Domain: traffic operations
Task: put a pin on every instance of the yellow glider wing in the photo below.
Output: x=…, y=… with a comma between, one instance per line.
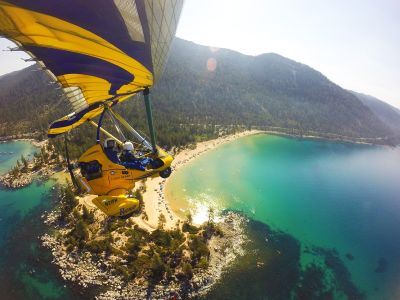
x=101, y=51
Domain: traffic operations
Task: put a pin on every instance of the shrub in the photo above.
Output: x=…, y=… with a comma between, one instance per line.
x=161, y=238
x=203, y=263
x=87, y=216
x=79, y=234
x=186, y=227
x=199, y=248
x=157, y=267
x=123, y=271
x=187, y=270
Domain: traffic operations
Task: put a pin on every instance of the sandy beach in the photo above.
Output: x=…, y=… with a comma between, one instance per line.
x=154, y=197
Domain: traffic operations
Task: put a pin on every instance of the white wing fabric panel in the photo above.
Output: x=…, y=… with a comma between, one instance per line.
x=163, y=19
x=131, y=18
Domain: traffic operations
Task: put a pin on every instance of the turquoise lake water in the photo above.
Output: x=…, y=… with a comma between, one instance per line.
x=26, y=271
x=310, y=203
x=339, y=202
x=10, y=152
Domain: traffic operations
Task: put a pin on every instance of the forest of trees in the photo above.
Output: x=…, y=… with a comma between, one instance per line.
x=190, y=102
x=29, y=101
x=387, y=113
x=155, y=255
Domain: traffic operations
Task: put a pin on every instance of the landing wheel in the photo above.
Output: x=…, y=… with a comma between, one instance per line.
x=157, y=163
x=127, y=216
x=165, y=173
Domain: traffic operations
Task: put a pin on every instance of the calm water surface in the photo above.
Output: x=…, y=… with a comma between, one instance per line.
x=26, y=271
x=328, y=196
x=310, y=203
x=10, y=152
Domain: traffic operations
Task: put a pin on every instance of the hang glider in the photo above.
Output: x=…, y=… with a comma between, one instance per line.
x=101, y=52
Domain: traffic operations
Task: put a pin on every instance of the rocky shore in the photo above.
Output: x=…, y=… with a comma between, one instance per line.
x=9, y=181
x=94, y=272
x=40, y=167
x=33, y=136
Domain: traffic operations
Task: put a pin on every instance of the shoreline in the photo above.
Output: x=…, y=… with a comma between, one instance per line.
x=90, y=272
x=322, y=138
x=33, y=141
x=36, y=168
x=188, y=155
x=156, y=186
x=120, y=289
x=154, y=198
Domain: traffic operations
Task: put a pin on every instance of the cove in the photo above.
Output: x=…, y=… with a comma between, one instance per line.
x=337, y=199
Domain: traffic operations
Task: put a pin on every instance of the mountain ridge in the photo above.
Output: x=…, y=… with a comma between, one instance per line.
x=389, y=114
x=204, y=85
x=265, y=83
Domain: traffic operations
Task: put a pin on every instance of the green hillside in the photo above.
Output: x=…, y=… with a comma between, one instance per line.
x=265, y=90
x=386, y=113
x=28, y=101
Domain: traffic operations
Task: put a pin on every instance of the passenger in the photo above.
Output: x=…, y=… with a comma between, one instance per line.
x=110, y=150
x=129, y=160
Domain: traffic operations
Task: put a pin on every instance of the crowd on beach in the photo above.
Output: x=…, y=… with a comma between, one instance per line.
x=162, y=202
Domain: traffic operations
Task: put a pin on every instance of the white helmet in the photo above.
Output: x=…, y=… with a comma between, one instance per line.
x=109, y=143
x=128, y=146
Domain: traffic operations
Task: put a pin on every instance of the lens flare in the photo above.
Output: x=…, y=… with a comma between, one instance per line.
x=214, y=49
x=211, y=64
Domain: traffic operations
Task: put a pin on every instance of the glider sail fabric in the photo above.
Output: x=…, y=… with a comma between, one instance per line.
x=101, y=51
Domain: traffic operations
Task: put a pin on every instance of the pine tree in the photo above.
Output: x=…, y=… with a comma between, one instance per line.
x=157, y=267
x=24, y=162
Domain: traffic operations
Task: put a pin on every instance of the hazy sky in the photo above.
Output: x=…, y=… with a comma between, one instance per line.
x=354, y=43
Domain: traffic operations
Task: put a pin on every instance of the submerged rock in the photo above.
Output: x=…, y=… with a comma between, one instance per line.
x=382, y=265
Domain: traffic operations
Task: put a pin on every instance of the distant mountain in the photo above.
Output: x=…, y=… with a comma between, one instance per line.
x=202, y=85
x=386, y=113
x=260, y=90
x=28, y=101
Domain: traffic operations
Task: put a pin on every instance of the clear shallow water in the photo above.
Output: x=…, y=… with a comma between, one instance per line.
x=10, y=152
x=25, y=267
x=329, y=195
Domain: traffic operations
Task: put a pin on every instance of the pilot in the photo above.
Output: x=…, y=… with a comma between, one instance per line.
x=111, y=151
x=129, y=160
